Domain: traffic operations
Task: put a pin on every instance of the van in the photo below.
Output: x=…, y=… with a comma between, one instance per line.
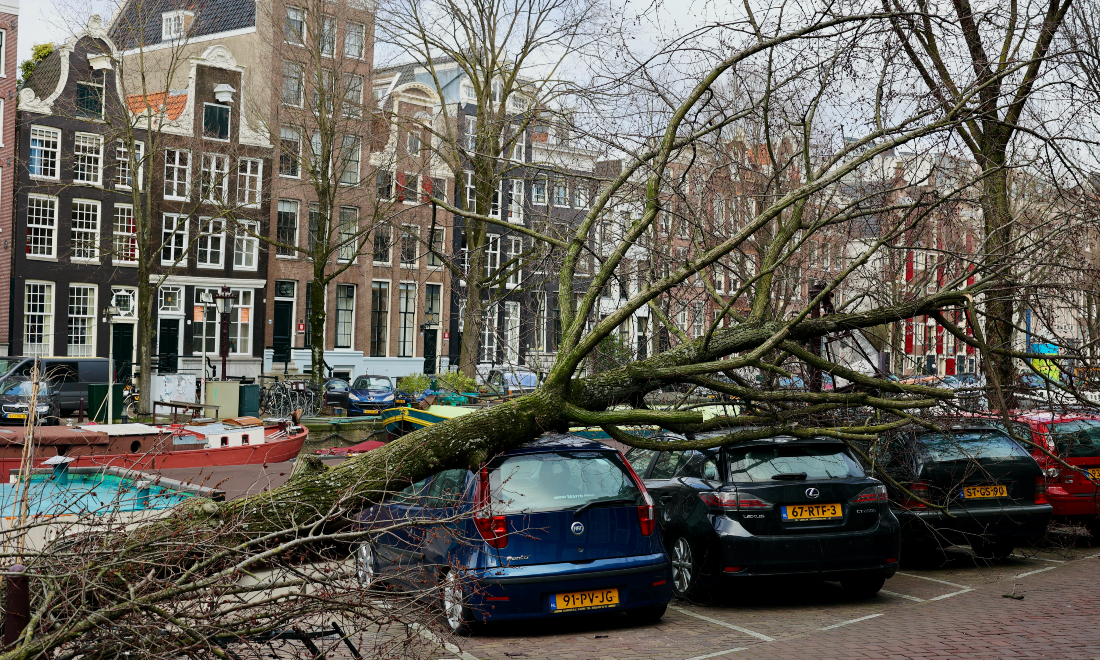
x=70, y=376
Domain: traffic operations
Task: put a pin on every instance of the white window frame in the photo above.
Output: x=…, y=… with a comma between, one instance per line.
x=514, y=251
x=469, y=197
x=179, y=248
x=229, y=122
x=353, y=95
x=120, y=146
x=492, y=254
x=210, y=162
x=87, y=234
x=406, y=319
x=297, y=225
x=210, y=230
x=350, y=153
x=515, y=204
x=46, y=133
x=348, y=240
x=52, y=227
x=410, y=234
x=471, y=133
x=244, y=244
x=435, y=259
x=288, y=66
x=92, y=159
x=511, y=333
x=349, y=29
x=178, y=21
x=580, y=196
x=519, y=147
x=120, y=238
x=176, y=168
x=327, y=42
x=487, y=346
x=555, y=186
x=88, y=314
x=251, y=194
x=47, y=315
x=297, y=135
x=3, y=61
x=301, y=19
x=351, y=322
x=539, y=188
x=129, y=294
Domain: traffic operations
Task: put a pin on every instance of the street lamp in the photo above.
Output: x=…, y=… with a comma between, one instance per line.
x=109, y=314
x=224, y=302
x=207, y=303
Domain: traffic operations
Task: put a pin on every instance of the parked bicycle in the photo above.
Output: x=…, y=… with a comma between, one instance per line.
x=282, y=398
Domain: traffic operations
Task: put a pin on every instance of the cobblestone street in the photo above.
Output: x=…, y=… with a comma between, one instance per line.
x=957, y=610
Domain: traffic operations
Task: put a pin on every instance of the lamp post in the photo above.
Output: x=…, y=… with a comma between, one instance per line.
x=224, y=302
x=207, y=302
x=109, y=314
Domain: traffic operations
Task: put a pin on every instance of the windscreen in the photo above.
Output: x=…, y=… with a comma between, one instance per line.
x=969, y=445
x=7, y=364
x=761, y=464
x=15, y=387
x=372, y=383
x=1080, y=439
x=559, y=480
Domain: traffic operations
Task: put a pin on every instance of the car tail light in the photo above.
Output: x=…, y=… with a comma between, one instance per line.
x=872, y=495
x=918, y=489
x=647, y=519
x=734, y=501
x=1041, y=490
x=734, y=569
x=494, y=529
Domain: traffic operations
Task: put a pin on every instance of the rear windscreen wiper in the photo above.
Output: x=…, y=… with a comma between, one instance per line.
x=790, y=476
x=589, y=505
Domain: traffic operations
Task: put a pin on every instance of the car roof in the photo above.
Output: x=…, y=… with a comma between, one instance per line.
x=558, y=442
x=774, y=440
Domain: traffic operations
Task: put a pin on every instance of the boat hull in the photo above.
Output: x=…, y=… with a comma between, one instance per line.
x=278, y=451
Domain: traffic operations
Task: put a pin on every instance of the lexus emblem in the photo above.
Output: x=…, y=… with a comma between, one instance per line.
x=577, y=528
x=813, y=493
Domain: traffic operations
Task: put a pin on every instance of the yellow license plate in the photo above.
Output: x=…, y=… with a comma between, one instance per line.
x=980, y=492
x=585, y=600
x=17, y=415
x=812, y=512
x=1094, y=473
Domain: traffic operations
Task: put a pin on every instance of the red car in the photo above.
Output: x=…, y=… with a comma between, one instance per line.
x=1075, y=438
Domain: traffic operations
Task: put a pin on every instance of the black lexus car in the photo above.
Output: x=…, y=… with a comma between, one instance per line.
x=992, y=488
x=774, y=507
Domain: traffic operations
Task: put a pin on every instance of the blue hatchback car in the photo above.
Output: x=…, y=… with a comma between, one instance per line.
x=559, y=527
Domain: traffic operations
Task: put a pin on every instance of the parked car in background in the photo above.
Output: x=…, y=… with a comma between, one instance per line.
x=558, y=527
x=16, y=400
x=774, y=507
x=510, y=383
x=69, y=376
x=1075, y=439
x=370, y=394
x=993, y=489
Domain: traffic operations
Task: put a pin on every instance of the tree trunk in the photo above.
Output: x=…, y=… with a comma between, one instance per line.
x=147, y=337
x=1000, y=298
x=472, y=315
x=317, y=326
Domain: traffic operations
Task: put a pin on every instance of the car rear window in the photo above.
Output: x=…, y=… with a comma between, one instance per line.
x=1080, y=439
x=966, y=445
x=760, y=464
x=368, y=383
x=559, y=480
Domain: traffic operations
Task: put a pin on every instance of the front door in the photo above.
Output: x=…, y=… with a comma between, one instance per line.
x=168, y=343
x=429, y=351
x=123, y=349
x=282, y=327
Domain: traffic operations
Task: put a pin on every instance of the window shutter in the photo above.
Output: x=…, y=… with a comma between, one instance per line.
x=909, y=336
x=400, y=186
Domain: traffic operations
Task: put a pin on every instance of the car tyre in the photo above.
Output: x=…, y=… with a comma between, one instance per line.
x=685, y=568
x=647, y=615
x=366, y=568
x=457, y=616
x=994, y=548
x=1093, y=527
x=864, y=586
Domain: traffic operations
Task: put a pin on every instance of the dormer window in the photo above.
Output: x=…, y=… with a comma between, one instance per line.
x=215, y=121
x=174, y=24
x=89, y=100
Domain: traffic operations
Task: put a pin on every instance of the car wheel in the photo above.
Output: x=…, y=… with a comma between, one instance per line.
x=864, y=586
x=456, y=615
x=1093, y=527
x=684, y=567
x=994, y=548
x=645, y=615
x=365, y=566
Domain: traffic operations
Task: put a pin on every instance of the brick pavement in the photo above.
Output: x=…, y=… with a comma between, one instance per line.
x=954, y=610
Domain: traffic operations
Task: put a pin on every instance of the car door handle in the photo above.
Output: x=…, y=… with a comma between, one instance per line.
x=666, y=498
